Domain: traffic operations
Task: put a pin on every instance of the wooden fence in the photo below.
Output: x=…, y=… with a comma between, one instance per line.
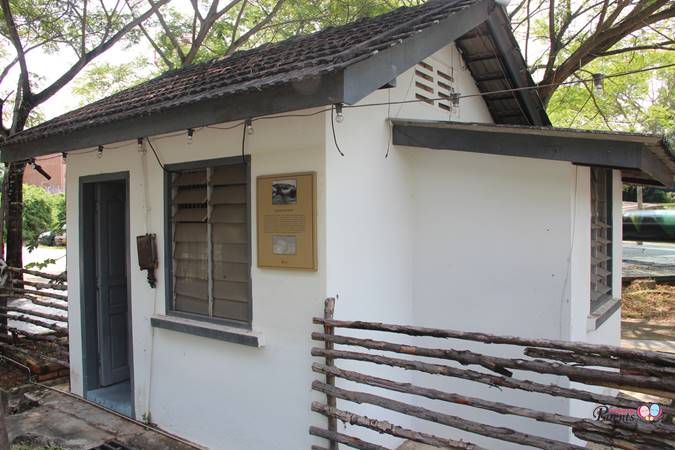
x=37, y=300
x=595, y=365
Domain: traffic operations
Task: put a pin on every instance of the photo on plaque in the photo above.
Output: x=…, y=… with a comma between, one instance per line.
x=284, y=192
x=283, y=245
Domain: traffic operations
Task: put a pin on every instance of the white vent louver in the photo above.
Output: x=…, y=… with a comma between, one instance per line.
x=434, y=80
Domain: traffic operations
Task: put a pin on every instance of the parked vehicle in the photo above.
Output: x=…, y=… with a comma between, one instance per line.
x=46, y=238
x=649, y=225
x=60, y=238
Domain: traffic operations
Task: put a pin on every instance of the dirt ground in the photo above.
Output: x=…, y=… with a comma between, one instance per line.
x=11, y=375
x=647, y=300
x=648, y=311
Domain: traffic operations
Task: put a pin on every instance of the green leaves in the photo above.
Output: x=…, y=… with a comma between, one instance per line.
x=104, y=79
x=636, y=102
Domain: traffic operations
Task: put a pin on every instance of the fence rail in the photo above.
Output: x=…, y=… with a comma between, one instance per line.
x=594, y=365
x=37, y=304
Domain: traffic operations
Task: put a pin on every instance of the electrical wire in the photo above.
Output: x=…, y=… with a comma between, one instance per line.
x=387, y=103
x=243, y=141
x=282, y=116
x=503, y=91
x=215, y=127
x=152, y=147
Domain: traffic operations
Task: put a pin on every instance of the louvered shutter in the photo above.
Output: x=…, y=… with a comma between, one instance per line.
x=190, y=242
x=601, y=235
x=211, y=244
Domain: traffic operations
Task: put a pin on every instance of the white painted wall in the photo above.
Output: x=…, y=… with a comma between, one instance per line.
x=436, y=238
x=221, y=395
x=491, y=255
x=371, y=206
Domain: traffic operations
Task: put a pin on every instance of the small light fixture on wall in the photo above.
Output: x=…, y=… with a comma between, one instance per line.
x=99, y=152
x=339, y=115
x=190, y=133
x=248, y=123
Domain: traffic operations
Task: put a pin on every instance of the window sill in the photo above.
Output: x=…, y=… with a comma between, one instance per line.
x=209, y=330
x=603, y=312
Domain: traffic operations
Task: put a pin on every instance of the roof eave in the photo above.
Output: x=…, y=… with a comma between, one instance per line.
x=309, y=93
x=638, y=163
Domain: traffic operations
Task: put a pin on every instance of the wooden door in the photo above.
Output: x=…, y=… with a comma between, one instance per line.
x=111, y=283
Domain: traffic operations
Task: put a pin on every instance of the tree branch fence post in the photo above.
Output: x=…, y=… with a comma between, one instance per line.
x=331, y=401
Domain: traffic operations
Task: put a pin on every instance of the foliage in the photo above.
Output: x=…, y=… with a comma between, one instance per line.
x=58, y=207
x=649, y=195
x=562, y=38
x=39, y=265
x=42, y=211
x=104, y=79
x=37, y=214
x=80, y=30
x=641, y=102
x=219, y=28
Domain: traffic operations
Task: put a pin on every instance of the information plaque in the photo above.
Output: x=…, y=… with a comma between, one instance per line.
x=286, y=221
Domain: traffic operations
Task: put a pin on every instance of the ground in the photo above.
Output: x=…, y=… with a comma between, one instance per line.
x=648, y=300
x=61, y=422
x=11, y=375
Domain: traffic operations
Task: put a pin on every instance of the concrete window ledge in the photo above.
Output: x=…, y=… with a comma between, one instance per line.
x=209, y=330
x=602, y=313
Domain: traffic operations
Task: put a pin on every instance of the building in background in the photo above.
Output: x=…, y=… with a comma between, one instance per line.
x=54, y=166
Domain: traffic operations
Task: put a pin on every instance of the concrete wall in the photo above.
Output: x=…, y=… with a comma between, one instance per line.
x=491, y=255
x=221, y=395
x=371, y=204
x=459, y=240
x=436, y=238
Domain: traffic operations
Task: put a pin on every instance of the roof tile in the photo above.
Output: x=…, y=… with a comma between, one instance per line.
x=294, y=59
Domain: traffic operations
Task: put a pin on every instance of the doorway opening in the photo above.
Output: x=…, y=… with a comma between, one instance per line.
x=105, y=299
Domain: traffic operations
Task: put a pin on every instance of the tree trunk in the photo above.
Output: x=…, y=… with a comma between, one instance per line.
x=4, y=439
x=3, y=212
x=14, y=215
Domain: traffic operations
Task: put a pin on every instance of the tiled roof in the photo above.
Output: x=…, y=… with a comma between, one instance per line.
x=288, y=61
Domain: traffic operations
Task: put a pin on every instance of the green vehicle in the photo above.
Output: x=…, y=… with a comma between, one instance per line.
x=650, y=225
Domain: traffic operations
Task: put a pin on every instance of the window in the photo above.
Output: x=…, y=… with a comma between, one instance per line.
x=601, y=236
x=210, y=241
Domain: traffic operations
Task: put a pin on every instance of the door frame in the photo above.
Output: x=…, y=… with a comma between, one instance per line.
x=88, y=326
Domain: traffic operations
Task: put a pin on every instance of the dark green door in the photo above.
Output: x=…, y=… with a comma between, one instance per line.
x=111, y=282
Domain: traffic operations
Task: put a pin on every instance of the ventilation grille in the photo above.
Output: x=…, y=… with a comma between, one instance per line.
x=434, y=80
